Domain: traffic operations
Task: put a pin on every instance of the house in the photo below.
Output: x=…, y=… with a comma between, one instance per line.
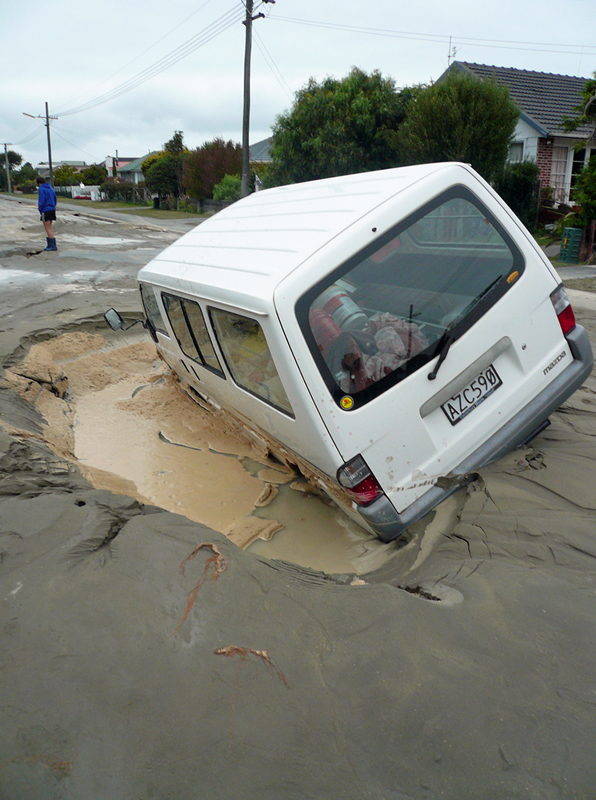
x=544, y=100
x=43, y=168
x=259, y=152
x=117, y=162
x=132, y=170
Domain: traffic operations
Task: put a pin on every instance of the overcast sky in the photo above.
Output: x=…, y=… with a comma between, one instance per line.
x=71, y=54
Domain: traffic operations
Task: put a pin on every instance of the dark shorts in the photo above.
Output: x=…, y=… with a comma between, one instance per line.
x=47, y=216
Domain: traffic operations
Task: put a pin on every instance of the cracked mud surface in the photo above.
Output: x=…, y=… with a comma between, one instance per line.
x=145, y=655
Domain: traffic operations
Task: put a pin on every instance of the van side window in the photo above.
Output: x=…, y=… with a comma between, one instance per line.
x=402, y=300
x=152, y=311
x=247, y=356
x=188, y=324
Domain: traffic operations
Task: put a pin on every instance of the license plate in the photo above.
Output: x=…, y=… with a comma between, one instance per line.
x=476, y=392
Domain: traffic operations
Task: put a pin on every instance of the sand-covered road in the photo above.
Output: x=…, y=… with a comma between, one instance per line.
x=144, y=655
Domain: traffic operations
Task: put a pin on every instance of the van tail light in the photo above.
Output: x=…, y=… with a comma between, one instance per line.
x=359, y=482
x=563, y=309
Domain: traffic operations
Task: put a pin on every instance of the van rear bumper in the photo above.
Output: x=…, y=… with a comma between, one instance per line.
x=388, y=524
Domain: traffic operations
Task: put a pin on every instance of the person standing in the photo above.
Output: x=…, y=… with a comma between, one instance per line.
x=46, y=204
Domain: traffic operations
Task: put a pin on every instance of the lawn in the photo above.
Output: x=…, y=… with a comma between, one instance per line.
x=583, y=284
x=127, y=208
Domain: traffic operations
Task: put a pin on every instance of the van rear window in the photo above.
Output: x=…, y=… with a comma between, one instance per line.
x=398, y=303
x=243, y=344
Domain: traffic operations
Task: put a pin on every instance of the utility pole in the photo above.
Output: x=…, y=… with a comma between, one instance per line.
x=6, y=164
x=47, y=118
x=247, y=22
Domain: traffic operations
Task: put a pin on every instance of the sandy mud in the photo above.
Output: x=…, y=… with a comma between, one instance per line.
x=144, y=654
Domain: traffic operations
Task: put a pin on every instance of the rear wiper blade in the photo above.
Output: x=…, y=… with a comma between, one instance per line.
x=448, y=339
x=477, y=305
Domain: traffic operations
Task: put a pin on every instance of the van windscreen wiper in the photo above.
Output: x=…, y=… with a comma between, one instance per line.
x=448, y=338
x=478, y=306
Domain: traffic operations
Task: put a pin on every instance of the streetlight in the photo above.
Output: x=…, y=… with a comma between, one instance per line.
x=47, y=118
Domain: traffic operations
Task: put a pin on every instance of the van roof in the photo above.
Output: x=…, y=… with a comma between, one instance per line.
x=241, y=254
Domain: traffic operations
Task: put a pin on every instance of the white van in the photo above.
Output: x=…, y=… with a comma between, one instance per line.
x=389, y=333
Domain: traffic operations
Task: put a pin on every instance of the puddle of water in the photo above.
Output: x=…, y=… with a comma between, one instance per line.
x=185, y=460
x=20, y=276
x=97, y=241
x=131, y=432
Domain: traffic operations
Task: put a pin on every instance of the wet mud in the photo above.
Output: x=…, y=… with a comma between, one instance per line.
x=144, y=654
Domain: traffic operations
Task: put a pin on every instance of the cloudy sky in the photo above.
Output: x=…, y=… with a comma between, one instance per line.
x=123, y=76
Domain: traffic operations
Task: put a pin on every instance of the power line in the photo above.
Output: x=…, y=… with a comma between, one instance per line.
x=219, y=26
x=144, y=52
x=505, y=44
x=273, y=66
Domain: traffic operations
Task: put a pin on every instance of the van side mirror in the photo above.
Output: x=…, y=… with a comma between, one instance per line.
x=114, y=320
x=116, y=323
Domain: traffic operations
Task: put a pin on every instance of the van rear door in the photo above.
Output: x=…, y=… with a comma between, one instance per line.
x=430, y=339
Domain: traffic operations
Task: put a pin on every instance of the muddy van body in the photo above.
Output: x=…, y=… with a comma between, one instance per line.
x=389, y=332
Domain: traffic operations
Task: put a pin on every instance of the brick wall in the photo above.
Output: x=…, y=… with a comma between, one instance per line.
x=544, y=160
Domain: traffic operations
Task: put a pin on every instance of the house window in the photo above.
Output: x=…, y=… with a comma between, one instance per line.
x=516, y=152
x=580, y=160
x=248, y=358
x=188, y=324
x=558, y=172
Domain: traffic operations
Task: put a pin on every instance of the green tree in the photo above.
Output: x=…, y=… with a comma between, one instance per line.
x=161, y=177
x=176, y=148
x=585, y=190
x=67, y=175
x=94, y=175
x=338, y=127
x=518, y=186
x=150, y=161
x=206, y=166
x=25, y=177
x=586, y=110
x=460, y=118
x=14, y=159
x=228, y=189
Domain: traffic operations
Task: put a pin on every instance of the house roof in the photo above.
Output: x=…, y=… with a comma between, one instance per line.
x=135, y=166
x=260, y=151
x=544, y=99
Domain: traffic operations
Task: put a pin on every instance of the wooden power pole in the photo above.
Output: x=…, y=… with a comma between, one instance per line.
x=247, y=22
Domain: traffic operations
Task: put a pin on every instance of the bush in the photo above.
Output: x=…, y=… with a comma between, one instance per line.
x=117, y=189
x=228, y=189
x=518, y=186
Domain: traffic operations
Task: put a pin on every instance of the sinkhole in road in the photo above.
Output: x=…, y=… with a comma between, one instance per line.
x=113, y=406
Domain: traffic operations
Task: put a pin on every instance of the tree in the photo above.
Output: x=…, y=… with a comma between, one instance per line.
x=94, y=175
x=460, y=118
x=518, y=186
x=585, y=190
x=586, y=110
x=338, y=127
x=228, y=190
x=161, y=177
x=206, y=166
x=25, y=175
x=67, y=175
x=175, y=147
x=14, y=159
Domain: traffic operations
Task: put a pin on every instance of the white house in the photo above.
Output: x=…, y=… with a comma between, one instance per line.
x=544, y=101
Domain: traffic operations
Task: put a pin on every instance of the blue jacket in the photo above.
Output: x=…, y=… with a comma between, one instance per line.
x=46, y=198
